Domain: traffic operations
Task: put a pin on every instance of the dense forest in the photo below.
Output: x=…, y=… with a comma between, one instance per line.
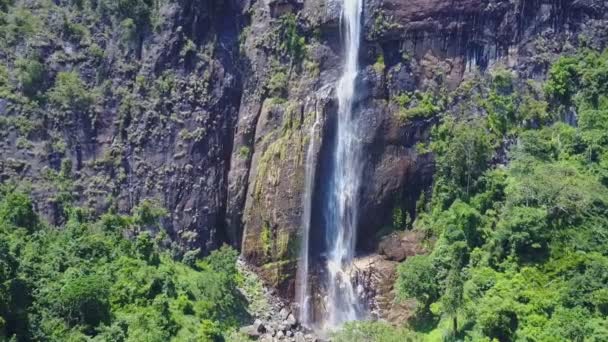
x=107, y=279
x=151, y=148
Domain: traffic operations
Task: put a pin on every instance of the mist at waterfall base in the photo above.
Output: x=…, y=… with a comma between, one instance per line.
x=340, y=210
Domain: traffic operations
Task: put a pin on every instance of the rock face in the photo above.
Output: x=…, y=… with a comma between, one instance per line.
x=209, y=114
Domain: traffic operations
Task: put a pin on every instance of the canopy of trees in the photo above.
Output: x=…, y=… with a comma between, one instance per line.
x=87, y=282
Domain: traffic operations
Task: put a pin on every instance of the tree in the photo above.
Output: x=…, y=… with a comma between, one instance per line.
x=562, y=79
x=17, y=209
x=417, y=279
x=30, y=73
x=452, y=299
x=70, y=93
x=84, y=300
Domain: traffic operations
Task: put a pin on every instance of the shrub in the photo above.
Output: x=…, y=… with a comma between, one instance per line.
x=562, y=79
x=70, y=93
x=277, y=85
x=292, y=44
x=379, y=64
x=244, y=152
x=417, y=279
x=17, y=209
x=373, y=331
x=138, y=11
x=84, y=300
x=30, y=74
x=427, y=105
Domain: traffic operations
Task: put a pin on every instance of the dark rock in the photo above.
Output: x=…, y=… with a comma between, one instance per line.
x=400, y=245
x=259, y=326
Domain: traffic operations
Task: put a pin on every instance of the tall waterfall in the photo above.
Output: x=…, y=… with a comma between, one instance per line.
x=302, y=287
x=342, y=210
x=342, y=303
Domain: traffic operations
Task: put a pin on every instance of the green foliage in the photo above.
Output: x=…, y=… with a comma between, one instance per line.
x=532, y=110
x=379, y=65
x=277, y=85
x=86, y=281
x=188, y=48
x=500, y=103
x=518, y=250
x=70, y=93
x=148, y=212
x=19, y=24
x=426, y=105
x=562, y=79
x=17, y=209
x=416, y=279
x=292, y=44
x=373, y=331
x=244, y=152
x=403, y=99
x=138, y=11
x=83, y=300
x=463, y=151
x=30, y=74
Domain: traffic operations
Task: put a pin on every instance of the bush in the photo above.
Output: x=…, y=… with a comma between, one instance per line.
x=562, y=79
x=417, y=279
x=139, y=11
x=277, y=85
x=244, y=152
x=292, y=44
x=84, y=300
x=70, y=93
x=17, y=209
x=30, y=74
x=426, y=106
x=373, y=331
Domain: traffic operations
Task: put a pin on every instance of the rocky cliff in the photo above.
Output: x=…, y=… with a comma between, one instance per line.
x=204, y=107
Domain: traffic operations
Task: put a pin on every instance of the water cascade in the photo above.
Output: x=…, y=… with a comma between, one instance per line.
x=302, y=287
x=342, y=209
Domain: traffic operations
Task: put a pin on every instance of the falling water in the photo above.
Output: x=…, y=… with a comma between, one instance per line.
x=302, y=288
x=342, y=302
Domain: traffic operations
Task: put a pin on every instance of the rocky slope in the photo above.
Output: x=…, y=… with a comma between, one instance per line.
x=205, y=107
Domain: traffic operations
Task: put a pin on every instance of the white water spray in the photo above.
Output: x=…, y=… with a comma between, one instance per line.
x=302, y=288
x=342, y=302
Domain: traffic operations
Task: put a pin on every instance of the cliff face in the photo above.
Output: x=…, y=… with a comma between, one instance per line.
x=206, y=108
x=429, y=47
x=165, y=89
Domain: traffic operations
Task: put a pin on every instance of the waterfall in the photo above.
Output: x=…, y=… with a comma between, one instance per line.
x=342, y=209
x=302, y=288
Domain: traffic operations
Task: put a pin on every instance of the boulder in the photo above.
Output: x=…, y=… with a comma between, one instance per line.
x=259, y=326
x=284, y=313
x=299, y=337
x=400, y=245
x=291, y=321
x=251, y=331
